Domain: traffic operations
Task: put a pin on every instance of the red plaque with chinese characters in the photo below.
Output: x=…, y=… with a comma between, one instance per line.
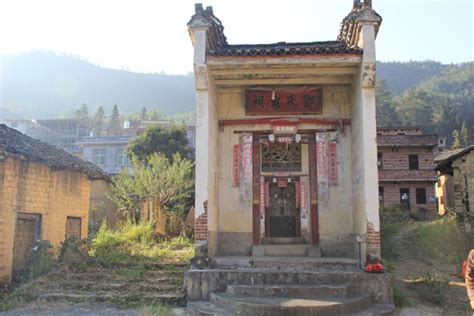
x=304, y=100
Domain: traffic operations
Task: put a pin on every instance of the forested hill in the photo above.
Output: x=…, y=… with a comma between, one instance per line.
x=441, y=103
x=401, y=76
x=42, y=84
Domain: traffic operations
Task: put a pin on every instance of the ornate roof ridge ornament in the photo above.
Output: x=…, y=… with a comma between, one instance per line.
x=351, y=24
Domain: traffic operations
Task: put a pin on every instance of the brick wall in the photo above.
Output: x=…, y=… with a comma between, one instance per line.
x=372, y=239
x=200, y=225
x=33, y=188
x=397, y=158
x=392, y=194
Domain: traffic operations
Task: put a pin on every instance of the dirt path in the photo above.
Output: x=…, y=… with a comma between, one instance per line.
x=422, y=281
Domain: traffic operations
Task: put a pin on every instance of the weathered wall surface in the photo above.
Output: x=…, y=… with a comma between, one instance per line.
x=335, y=210
x=445, y=193
x=33, y=188
x=463, y=183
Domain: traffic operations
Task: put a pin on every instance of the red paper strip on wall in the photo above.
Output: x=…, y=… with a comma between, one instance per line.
x=321, y=161
x=333, y=164
x=236, y=166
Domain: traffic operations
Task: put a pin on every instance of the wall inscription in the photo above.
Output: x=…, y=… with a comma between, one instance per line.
x=304, y=100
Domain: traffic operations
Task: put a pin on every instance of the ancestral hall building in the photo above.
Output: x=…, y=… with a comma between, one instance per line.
x=286, y=173
x=286, y=141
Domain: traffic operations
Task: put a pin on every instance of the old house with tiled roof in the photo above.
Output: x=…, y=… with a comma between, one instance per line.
x=455, y=186
x=44, y=195
x=286, y=167
x=406, y=167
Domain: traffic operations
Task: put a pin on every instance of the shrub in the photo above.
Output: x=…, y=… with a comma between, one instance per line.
x=40, y=262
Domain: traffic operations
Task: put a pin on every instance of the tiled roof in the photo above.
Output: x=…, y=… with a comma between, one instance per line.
x=407, y=140
x=283, y=48
x=12, y=142
x=450, y=155
x=218, y=45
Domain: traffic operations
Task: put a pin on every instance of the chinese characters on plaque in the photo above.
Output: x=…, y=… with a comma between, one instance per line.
x=304, y=100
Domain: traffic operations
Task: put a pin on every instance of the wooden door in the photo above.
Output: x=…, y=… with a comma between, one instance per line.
x=282, y=210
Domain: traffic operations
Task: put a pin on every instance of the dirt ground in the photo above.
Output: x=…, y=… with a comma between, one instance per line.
x=426, y=286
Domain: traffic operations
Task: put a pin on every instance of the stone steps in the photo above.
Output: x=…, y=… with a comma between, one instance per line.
x=286, y=250
x=299, y=264
x=263, y=306
x=278, y=290
x=282, y=240
x=262, y=292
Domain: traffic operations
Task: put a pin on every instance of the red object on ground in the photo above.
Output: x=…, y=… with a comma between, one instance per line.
x=463, y=270
x=368, y=268
x=377, y=267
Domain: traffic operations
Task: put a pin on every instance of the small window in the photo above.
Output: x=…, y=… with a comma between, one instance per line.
x=122, y=159
x=420, y=196
x=380, y=160
x=413, y=162
x=98, y=156
x=381, y=194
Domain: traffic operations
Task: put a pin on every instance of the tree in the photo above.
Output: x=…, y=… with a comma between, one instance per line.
x=157, y=139
x=82, y=115
x=465, y=134
x=456, y=140
x=144, y=114
x=114, y=121
x=99, y=121
x=169, y=181
x=385, y=110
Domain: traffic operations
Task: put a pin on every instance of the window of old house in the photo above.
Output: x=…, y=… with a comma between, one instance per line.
x=420, y=196
x=98, y=156
x=405, y=197
x=413, y=162
x=281, y=157
x=381, y=194
x=122, y=159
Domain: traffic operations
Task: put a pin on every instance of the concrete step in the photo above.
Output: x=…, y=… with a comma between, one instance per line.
x=205, y=308
x=263, y=306
x=200, y=283
x=294, y=250
x=287, y=264
x=376, y=310
x=306, y=264
x=279, y=290
x=282, y=240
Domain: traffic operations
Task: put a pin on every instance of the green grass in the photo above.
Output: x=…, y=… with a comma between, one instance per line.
x=442, y=240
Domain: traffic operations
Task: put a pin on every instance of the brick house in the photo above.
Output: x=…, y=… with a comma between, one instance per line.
x=406, y=168
x=455, y=187
x=44, y=194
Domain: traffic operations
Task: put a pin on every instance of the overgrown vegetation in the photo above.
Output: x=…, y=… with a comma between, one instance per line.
x=442, y=240
x=136, y=244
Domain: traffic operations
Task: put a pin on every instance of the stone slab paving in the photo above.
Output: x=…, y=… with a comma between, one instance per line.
x=71, y=310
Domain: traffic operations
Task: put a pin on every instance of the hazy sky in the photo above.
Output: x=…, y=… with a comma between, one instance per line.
x=151, y=35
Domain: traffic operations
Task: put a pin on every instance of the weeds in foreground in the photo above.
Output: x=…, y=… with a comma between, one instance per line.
x=10, y=300
x=442, y=240
x=430, y=289
x=400, y=298
x=137, y=243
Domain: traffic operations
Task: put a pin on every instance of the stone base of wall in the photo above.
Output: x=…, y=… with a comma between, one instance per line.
x=339, y=245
